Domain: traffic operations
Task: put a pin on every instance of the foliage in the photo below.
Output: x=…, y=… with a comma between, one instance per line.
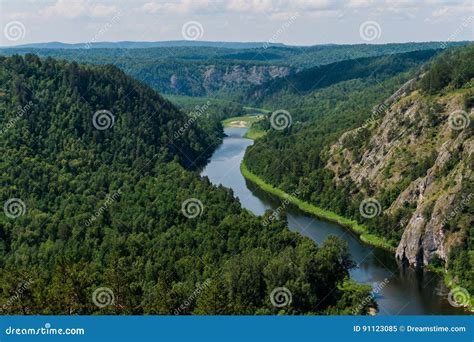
x=454, y=68
x=138, y=244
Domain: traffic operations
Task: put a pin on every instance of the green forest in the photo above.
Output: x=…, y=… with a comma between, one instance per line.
x=103, y=148
x=103, y=208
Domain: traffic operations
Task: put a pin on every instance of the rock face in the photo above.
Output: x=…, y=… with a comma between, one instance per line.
x=411, y=146
x=209, y=79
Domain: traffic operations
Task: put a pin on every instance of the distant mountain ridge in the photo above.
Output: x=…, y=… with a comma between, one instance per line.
x=311, y=79
x=143, y=45
x=228, y=70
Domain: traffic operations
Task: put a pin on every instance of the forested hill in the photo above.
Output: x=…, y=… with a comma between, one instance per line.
x=323, y=76
x=100, y=217
x=67, y=102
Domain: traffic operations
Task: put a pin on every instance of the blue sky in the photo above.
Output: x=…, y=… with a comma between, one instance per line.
x=296, y=22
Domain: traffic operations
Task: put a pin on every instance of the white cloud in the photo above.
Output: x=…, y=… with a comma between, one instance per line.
x=360, y=3
x=78, y=8
x=180, y=7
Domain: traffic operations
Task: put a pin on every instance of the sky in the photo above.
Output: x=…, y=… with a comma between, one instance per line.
x=293, y=22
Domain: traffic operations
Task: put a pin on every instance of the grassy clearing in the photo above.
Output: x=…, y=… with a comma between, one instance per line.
x=241, y=121
x=361, y=230
x=254, y=133
x=246, y=121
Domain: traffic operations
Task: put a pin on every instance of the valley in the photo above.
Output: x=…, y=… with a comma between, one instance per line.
x=340, y=175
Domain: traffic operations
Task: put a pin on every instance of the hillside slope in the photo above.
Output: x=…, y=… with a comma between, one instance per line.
x=101, y=214
x=312, y=79
x=417, y=160
x=405, y=172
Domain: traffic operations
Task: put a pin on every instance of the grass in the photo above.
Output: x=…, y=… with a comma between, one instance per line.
x=254, y=133
x=361, y=230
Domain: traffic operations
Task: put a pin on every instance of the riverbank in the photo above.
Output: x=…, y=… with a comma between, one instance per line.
x=309, y=208
x=450, y=283
x=360, y=230
x=246, y=121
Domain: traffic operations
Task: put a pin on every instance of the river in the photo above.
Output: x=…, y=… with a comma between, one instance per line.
x=403, y=290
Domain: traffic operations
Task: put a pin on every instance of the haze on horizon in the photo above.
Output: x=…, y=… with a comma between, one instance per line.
x=297, y=22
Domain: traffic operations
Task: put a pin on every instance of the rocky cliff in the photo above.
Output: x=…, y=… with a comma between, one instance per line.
x=415, y=156
x=210, y=79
